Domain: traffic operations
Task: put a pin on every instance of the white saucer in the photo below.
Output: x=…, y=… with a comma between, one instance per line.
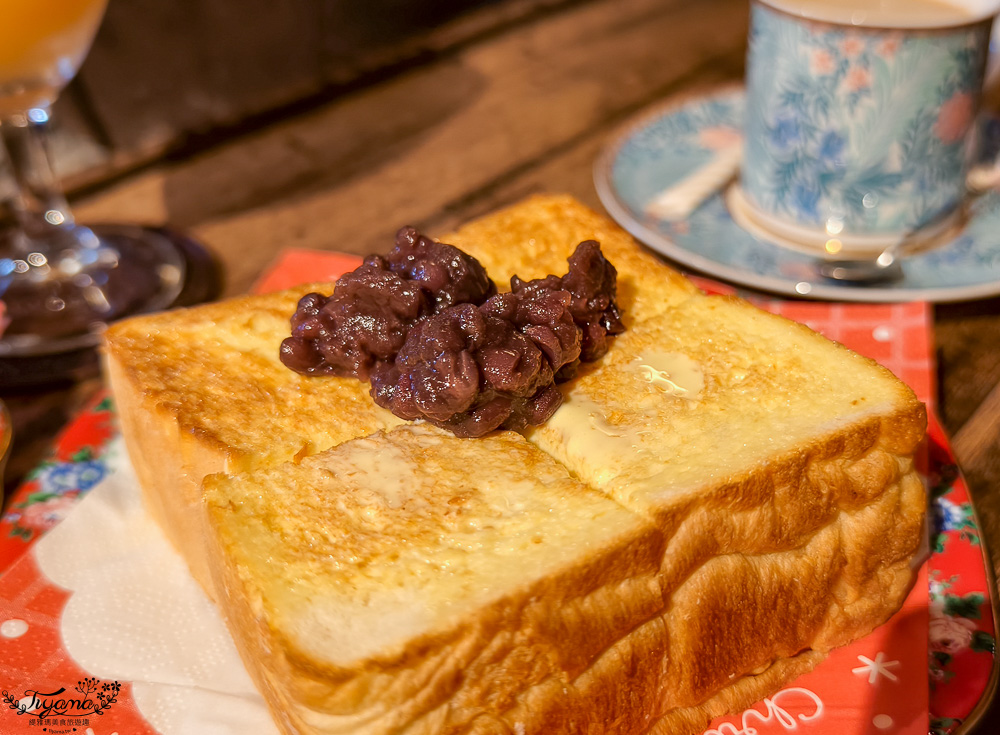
x=664, y=146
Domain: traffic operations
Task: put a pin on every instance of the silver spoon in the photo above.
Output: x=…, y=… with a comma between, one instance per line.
x=884, y=267
x=887, y=266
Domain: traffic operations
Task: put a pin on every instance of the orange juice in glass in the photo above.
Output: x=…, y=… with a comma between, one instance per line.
x=42, y=44
x=60, y=282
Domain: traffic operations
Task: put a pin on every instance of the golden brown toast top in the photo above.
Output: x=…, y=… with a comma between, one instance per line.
x=214, y=370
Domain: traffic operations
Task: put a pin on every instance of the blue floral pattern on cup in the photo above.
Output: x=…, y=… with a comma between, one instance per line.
x=866, y=126
x=665, y=145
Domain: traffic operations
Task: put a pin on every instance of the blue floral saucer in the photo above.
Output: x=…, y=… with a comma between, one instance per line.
x=665, y=146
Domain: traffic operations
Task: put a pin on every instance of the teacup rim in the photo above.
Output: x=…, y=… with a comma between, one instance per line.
x=783, y=7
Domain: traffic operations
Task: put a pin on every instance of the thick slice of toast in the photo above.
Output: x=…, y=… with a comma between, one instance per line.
x=742, y=435
x=414, y=582
x=758, y=478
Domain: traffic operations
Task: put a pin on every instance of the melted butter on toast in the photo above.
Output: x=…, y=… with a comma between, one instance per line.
x=673, y=373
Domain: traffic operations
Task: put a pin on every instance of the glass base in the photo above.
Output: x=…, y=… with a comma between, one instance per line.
x=57, y=304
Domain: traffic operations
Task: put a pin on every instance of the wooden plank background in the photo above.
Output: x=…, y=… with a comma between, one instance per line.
x=343, y=175
x=168, y=77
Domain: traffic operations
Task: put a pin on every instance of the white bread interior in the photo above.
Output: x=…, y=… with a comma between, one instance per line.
x=724, y=497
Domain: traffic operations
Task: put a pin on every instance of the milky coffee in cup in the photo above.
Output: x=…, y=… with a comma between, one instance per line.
x=883, y=13
x=860, y=116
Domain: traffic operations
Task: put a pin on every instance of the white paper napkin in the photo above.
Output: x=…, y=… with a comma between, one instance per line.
x=137, y=615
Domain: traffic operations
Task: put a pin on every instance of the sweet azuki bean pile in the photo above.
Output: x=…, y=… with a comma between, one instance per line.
x=427, y=328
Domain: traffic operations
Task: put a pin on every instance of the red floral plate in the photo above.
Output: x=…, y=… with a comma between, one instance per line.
x=958, y=614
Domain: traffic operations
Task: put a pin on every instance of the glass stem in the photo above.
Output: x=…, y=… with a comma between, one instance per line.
x=36, y=201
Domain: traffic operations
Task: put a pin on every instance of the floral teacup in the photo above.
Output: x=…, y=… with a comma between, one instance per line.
x=855, y=135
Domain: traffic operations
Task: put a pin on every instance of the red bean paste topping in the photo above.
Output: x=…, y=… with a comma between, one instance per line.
x=373, y=307
x=591, y=282
x=427, y=328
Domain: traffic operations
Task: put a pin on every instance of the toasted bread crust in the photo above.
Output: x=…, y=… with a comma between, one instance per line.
x=791, y=554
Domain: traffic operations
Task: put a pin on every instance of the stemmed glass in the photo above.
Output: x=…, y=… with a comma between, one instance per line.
x=60, y=282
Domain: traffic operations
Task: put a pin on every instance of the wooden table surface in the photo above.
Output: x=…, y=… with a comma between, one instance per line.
x=522, y=108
